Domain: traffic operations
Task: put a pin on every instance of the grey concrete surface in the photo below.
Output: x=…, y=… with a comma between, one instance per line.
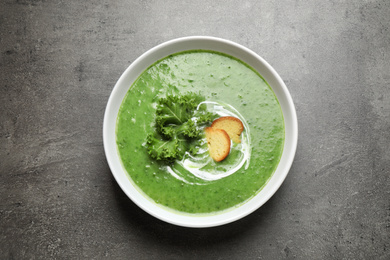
x=59, y=61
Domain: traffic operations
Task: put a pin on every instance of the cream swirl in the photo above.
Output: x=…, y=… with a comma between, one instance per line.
x=202, y=168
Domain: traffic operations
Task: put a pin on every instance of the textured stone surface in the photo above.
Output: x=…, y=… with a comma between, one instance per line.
x=59, y=61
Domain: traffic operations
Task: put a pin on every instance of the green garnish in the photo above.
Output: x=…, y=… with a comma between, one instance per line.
x=178, y=127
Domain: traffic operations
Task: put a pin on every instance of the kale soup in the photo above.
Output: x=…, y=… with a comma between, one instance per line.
x=163, y=124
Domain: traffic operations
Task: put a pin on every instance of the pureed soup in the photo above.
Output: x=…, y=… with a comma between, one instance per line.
x=197, y=184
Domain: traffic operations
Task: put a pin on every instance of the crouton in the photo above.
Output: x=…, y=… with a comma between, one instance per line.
x=218, y=142
x=232, y=126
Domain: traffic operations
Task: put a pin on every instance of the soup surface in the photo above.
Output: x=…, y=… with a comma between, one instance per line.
x=229, y=87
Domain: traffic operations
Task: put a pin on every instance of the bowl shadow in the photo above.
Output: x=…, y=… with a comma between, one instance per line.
x=160, y=232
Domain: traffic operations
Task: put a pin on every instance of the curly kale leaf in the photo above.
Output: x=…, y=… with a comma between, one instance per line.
x=162, y=150
x=176, y=109
x=169, y=150
x=204, y=117
x=189, y=130
x=178, y=126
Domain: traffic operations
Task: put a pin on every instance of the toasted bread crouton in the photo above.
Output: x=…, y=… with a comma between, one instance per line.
x=218, y=142
x=232, y=125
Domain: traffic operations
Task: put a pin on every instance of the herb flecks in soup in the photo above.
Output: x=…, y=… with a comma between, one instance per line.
x=195, y=183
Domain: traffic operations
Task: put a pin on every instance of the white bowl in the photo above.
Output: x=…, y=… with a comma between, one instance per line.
x=213, y=44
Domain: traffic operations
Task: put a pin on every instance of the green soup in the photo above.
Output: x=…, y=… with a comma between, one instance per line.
x=220, y=78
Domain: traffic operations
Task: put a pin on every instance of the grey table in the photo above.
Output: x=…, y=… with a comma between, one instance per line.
x=59, y=61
